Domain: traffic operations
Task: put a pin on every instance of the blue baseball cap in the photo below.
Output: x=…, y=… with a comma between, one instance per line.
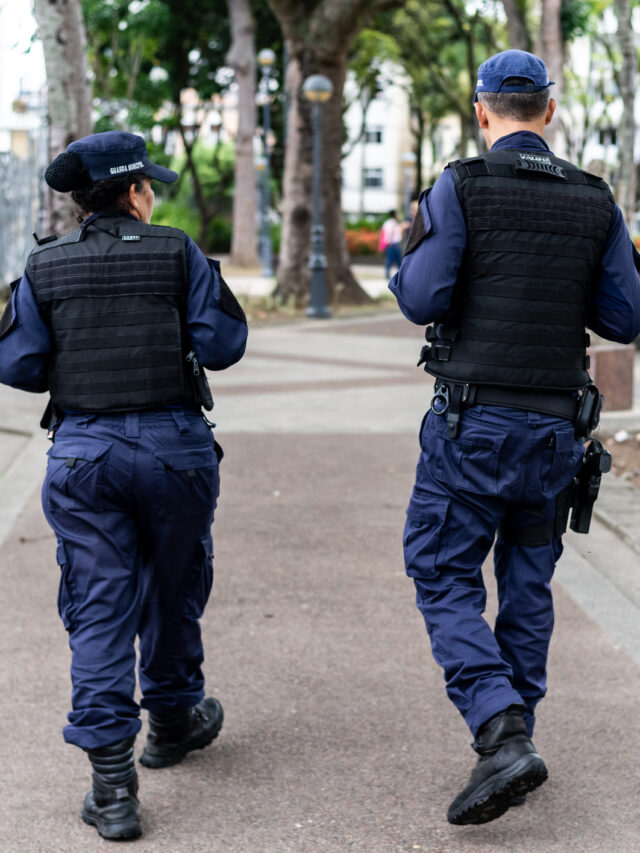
x=512, y=63
x=115, y=152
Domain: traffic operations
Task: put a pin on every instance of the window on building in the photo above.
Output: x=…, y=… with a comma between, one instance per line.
x=373, y=135
x=373, y=178
x=607, y=136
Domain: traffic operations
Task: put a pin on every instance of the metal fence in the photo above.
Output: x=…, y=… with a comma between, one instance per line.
x=20, y=206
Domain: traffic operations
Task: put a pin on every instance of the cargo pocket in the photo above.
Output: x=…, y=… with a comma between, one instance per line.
x=471, y=460
x=187, y=480
x=561, y=460
x=422, y=534
x=75, y=473
x=200, y=582
x=65, y=589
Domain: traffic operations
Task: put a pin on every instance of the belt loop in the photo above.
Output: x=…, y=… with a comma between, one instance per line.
x=181, y=422
x=132, y=425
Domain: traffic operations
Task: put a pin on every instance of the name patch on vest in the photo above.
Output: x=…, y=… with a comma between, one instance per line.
x=130, y=237
x=539, y=163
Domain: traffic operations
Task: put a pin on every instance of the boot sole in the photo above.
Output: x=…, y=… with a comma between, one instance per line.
x=115, y=832
x=167, y=759
x=492, y=799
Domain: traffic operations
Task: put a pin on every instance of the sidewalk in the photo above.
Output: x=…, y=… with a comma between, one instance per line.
x=338, y=735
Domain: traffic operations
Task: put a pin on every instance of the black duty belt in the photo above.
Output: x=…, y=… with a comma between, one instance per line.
x=450, y=398
x=562, y=404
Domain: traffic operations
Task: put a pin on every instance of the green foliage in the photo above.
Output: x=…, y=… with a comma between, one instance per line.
x=367, y=223
x=124, y=39
x=276, y=236
x=579, y=17
x=215, y=171
x=370, y=50
x=178, y=215
x=219, y=235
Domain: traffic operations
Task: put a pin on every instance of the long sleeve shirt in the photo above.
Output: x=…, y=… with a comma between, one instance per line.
x=425, y=282
x=217, y=338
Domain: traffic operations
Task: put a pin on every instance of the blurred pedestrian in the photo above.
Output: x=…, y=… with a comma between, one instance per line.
x=117, y=320
x=391, y=243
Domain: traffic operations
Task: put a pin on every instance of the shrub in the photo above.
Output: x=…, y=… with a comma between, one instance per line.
x=361, y=241
x=219, y=235
x=177, y=215
x=367, y=223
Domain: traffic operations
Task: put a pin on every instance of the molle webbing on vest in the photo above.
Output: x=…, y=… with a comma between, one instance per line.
x=122, y=275
x=535, y=230
x=115, y=309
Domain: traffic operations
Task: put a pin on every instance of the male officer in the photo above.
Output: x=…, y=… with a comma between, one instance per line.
x=511, y=255
x=114, y=320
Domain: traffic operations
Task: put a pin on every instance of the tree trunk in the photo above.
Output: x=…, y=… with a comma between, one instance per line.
x=418, y=135
x=61, y=29
x=551, y=48
x=317, y=36
x=626, y=183
x=293, y=273
x=198, y=193
x=519, y=37
x=241, y=57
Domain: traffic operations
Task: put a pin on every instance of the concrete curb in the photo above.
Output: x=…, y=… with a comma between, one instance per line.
x=618, y=508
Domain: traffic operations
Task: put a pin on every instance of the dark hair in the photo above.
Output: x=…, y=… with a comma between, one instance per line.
x=108, y=196
x=392, y=214
x=521, y=106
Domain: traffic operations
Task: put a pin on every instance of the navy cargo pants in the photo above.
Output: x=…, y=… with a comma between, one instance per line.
x=503, y=463
x=131, y=498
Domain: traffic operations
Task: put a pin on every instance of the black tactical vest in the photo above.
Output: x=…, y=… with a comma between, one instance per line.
x=536, y=226
x=113, y=294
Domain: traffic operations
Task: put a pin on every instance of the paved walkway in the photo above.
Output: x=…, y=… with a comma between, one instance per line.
x=338, y=735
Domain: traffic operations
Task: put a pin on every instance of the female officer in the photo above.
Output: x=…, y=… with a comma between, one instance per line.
x=115, y=320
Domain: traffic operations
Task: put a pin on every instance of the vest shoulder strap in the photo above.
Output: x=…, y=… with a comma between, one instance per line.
x=513, y=163
x=125, y=227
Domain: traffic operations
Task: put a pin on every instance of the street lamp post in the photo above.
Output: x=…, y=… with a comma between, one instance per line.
x=317, y=89
x=266, y=59
x=408, y=162
x=260, y=164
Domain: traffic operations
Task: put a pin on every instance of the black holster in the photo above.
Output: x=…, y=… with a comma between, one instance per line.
x=199, y=383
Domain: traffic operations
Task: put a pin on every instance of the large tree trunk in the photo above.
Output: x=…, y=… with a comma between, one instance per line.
x=241, y=57
x=317, y=34
x=551, y=47
x=626, y=183
x=61, y=29
x=293, y=273
x=519, y=37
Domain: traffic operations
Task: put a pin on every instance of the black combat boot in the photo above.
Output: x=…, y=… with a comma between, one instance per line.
x=112, y=805
x=508, y=767
x=172, y=736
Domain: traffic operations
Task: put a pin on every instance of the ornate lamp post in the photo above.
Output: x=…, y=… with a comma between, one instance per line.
x=266, y=59
x=408, y=164
x=317, y=89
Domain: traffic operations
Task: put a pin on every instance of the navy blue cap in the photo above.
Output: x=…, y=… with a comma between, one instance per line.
x=512, y=63
x=115, y=152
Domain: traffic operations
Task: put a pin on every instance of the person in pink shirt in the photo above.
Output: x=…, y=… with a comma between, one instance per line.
x=391, y=243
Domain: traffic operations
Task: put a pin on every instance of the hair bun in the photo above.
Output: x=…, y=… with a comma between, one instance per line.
x=67, y=173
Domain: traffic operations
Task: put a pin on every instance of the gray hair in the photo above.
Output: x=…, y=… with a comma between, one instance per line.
x=521, y=106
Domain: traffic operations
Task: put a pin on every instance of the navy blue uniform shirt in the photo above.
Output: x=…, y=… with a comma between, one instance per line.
x=424, y=284
x=218, y=339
